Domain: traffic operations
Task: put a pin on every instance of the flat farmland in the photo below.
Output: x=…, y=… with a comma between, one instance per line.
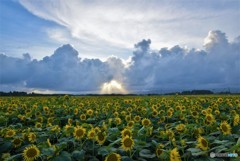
x=114, y=128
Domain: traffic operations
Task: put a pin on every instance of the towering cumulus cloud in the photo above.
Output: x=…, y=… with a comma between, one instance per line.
x=176, y=68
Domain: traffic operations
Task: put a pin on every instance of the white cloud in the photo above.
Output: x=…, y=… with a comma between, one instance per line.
x=58, y=34
x=121, y=23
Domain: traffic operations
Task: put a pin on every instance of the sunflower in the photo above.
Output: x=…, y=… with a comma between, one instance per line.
x=174, y=155
x=101, y=137
x=194, y=114
x=236, y=120
x=238, y=108
x=104, y=126
x=47, y=112
x=162, y=119
x=202, y=143
x=210, y=118
x=220, y=100
x=45, y=108
x=118, y=121
x=90, y=112
x=171, y=109
x=161, y=146
x=52, y=112
x=30, y=153
x=77, y=123
x=50, y=120
x=217, y=112
x=180, y=127
x=113, y=157
x=146, y=122
x=127, y=143
x=204, y=112
x=38, y=125
x=115, y=114
x=67, y=129
x=169, y=114
x=183, y=108
x=129, y=109
x=17, y=142
x=32, y=137
x=225, y=128
x=143, y=111
x=70, y=121
x=137, y=118
x=126, y=132
x=181, y=116
x=40, y=119
x=23, y=118
x=123, y=113
x=233, y=112
x=198, y=131
x=139, y=109
x=91, y=134
x=161, y=112
x=209, y=110
x=75, y=111
x=83, y=117
x=155, y=113
x=10, y=133
x=79, y=132
x=178, y=108
x=167, y=125
x=56, y=129
x=159, y=152
x=128, y=118
x=126, y=101
x=170, y=134
x=97, y=129
x=130, y=124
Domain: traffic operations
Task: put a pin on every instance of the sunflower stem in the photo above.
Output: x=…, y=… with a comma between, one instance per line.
x=81, y=144
x=133, y=154
x=93, y=148
x=41, y=157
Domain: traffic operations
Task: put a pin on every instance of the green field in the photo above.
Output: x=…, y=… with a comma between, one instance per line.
x=114, y=128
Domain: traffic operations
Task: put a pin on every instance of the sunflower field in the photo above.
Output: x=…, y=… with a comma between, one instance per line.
x=114, y=128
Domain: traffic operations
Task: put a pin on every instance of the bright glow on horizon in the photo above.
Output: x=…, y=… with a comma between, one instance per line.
x=113, y=87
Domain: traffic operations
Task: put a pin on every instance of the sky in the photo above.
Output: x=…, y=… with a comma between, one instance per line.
x=121, y=46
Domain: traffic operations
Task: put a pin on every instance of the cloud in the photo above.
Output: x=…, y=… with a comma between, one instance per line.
x=58, y=34
x=62, y=71
x=121, y=23
x=14, y=70
x=65, y=71
x=179, y=68
x=149, y=70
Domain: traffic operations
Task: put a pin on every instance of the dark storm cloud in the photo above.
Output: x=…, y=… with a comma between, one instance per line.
x=176, y=68
x=65, y=71
x=62, y=71
x=14, y=70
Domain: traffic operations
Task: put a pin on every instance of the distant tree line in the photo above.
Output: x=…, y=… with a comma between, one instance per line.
x=17, y=93
x=193, y=92
x=196, y=92
x=14, y=93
